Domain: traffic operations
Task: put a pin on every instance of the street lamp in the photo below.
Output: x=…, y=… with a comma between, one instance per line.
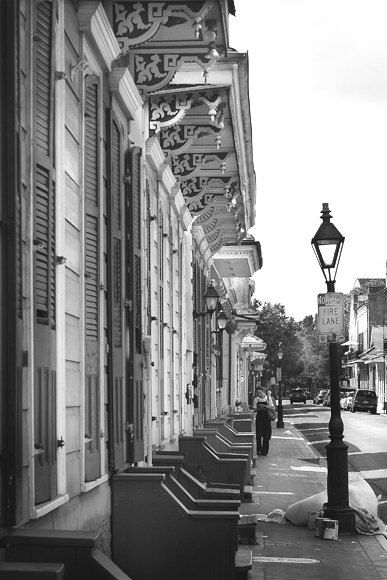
x=222, y=320
x=211, y=299
x=280, y=412
x=328, y=244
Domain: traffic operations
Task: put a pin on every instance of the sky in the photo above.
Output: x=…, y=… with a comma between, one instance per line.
x=318, y=97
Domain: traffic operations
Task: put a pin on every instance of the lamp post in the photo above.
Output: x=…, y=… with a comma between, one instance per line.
x=328, y=244
x=280, y=412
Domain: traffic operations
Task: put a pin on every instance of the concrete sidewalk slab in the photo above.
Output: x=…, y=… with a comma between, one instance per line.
x=291, y=472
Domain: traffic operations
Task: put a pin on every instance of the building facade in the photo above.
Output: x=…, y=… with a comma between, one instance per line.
x=127, y=185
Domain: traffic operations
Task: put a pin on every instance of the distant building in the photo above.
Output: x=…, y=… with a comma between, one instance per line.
x=365, y=358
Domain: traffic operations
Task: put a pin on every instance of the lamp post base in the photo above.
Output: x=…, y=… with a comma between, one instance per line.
x=337, y=506
x=344, y=515
x=280, y=416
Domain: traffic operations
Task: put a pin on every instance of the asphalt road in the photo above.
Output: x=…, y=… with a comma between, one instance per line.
x=365, y=434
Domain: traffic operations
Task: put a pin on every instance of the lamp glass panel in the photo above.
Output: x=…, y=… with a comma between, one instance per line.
x=211, y=302
x=222, y=320
x=328, y=254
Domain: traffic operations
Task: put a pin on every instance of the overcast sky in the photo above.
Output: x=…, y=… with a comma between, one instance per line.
x=318, y=94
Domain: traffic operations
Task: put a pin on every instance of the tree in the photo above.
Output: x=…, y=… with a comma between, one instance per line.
x=305, y=361
x=275, y=327
x=315, y=356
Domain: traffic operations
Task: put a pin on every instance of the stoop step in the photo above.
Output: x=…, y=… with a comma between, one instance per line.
x=31, y=570
x=246, y=529
x=247, y=494
x=243, y=563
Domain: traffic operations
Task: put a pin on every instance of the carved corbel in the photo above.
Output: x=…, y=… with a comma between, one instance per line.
x=83, y=66
x=168, y=111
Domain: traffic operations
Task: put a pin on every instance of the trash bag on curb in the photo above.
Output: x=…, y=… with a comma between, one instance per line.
x=361, y=496
x=276, y=516
x=366, y=523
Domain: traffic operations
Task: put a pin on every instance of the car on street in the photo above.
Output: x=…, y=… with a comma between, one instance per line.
x=297, y=396
x=364, y=400
x=319, y=396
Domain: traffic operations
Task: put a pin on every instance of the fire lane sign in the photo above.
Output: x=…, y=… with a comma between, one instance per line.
x=330, y=319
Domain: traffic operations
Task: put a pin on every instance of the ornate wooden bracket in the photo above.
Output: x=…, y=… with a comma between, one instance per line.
x=179, y=138
x=188, y=165
x=168, y=111
x=136, y=23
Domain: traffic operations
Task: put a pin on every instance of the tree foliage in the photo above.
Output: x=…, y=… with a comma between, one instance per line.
x=315, y=356
x=305, y=362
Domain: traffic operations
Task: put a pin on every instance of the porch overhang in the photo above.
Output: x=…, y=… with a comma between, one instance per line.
x=238, y=261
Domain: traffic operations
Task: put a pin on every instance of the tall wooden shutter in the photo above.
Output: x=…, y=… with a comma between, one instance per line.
x=135, y=382
x=115, y=294
x=44, y=256
x=149, y=261
x=92, y=281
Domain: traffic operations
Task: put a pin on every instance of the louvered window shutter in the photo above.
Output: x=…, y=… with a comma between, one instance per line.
x=180, y=303
x=195, y=334
x=92, y=280
x=115, y=294
x=149, y=261
x=136, y=402
x=45, y=448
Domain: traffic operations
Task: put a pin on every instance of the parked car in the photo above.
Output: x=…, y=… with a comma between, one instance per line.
x=307, y=394
x=319, y=396
x=327, y=399
x=364, y=400
x=297, y=396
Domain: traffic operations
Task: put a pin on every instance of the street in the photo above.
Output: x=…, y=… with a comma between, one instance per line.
x=365, y=434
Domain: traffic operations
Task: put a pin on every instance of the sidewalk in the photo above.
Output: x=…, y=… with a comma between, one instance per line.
x=289, y=473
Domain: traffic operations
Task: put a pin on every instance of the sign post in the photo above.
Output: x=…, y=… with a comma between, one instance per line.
x=330, y=319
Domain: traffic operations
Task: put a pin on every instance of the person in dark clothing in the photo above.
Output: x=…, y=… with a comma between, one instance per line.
x=262, y=423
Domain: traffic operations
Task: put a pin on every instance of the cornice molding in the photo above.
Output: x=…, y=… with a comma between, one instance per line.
x=93, y=21
x=154, y=153
x=167, y=178
x=240, y=146
x=202, y=245
x=124, y=88
x=185, y=218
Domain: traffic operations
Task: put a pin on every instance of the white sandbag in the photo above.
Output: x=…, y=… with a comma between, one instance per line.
x=361, y=496
x=276, y=516
x=297, y=513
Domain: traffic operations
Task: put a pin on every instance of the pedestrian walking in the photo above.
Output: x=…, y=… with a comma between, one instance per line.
x=262, y=423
